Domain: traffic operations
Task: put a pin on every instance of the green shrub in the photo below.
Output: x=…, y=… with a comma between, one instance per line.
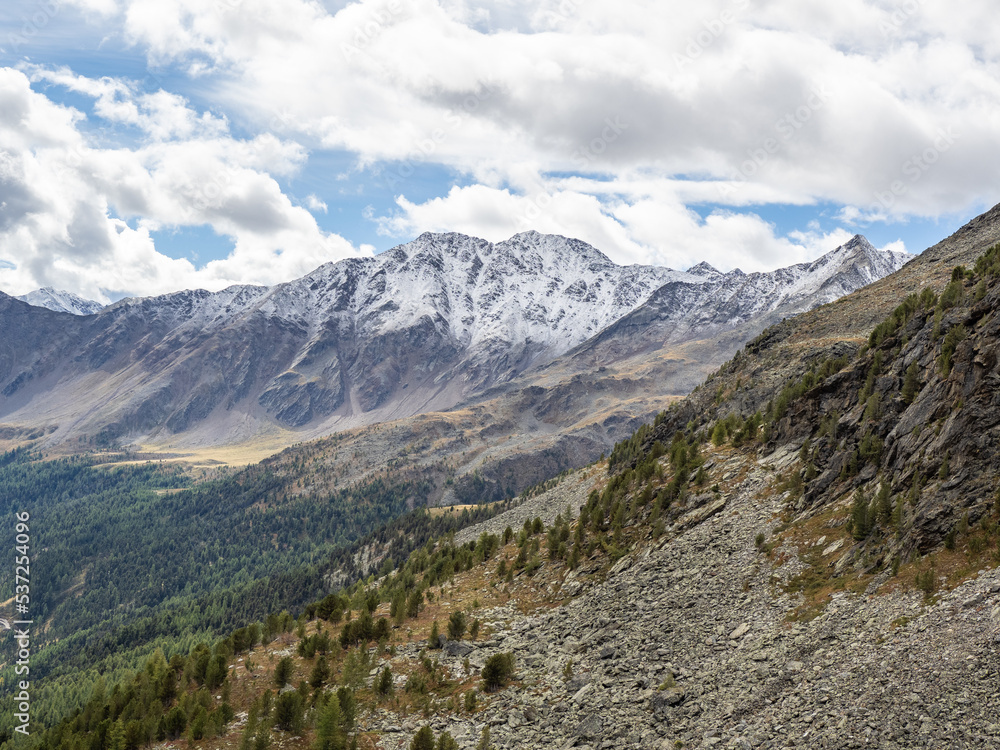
x=383, y=685
x=456, y=625
x=498, y=671
x=423, y=739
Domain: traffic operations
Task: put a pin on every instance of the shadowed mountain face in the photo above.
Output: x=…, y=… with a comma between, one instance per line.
x=417, y=329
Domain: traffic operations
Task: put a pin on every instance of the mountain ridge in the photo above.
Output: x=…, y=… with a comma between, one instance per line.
x=59, y=300
x=419, y=328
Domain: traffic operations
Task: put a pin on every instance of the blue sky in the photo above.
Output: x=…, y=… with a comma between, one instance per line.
x=152, y=145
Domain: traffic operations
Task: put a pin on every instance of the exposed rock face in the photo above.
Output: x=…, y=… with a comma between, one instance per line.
x=914, y=416
x=936, y=446
x=416, y=329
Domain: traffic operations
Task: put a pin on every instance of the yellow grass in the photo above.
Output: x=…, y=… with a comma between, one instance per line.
x=445, y=509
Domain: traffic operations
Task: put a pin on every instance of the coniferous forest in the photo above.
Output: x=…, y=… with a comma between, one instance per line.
x=134, y=558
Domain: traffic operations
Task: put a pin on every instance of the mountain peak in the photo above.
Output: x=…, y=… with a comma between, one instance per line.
x=859, y=240
x=704, y=269
x=61, y=301
x=859, y=245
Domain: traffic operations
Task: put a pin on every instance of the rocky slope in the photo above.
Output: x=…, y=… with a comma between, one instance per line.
x=696, y=636
x=687, y=642
x=903, y=418
x=837, y=588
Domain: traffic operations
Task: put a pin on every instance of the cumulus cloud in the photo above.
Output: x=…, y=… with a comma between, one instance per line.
x=652, y=226
x=160, y=115
x=316, y=204
x=652, y=129
x=79, y=216
x=838, y=96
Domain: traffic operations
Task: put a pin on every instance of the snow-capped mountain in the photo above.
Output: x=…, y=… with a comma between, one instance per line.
x=681, y=310
x=61, y=301
x=417, y=328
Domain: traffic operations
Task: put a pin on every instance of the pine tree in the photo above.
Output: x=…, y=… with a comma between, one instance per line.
x=199, y=721
x=498, y=671
x=383, y=685
x=283, y=671
x=911, y=383
x=320, y=673
x=423, y=739
x=883, y=505
x=250, y=728
x=435, y=638
x=288, y=712
x=348, y=706
x=116, y=736
x=861, y=522
x=329, y=732
x=456, y=625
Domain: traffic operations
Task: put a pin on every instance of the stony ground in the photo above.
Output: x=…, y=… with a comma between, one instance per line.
x=686, y=644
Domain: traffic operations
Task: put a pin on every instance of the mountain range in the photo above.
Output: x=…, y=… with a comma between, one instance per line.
x=421, y=328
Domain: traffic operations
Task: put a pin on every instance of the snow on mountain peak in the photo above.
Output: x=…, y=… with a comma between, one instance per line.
x=61, y=301
x=704, y=269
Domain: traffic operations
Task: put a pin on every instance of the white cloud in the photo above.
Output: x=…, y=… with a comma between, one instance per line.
x=160, y=115
x=79, y=217
x=315, y=204
x=699, y=87
x=650, y=225
x=620, y=117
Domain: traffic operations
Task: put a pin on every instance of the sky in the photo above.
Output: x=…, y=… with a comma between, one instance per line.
x=148, y=146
